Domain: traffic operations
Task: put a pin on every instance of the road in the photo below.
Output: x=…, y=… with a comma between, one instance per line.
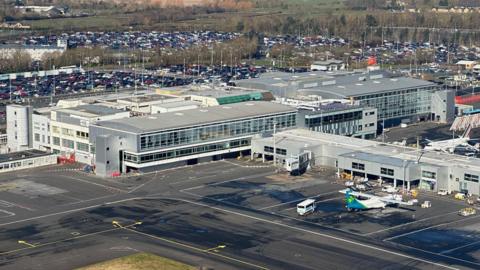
x=85, y=219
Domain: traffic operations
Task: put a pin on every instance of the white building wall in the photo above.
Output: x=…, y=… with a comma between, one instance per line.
x=18, y=127
x=28, y=163
x=41, y=132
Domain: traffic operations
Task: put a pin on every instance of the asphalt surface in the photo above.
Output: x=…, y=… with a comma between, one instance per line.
x=221, y=215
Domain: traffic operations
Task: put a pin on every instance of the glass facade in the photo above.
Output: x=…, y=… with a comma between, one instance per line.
x=218, y=131
x=400, y=103
x=187, y=151
x=347, y=123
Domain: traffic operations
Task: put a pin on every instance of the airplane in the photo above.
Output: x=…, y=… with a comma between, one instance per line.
x=450, y=145
x=363, y=201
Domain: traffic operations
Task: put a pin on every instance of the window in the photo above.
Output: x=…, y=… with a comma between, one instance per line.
x=82, y=147
x=68, y=143
x=471, y=178
x=358, y=166
x=37, y=137
x=280, y=151
x=56, y=141
x=55, y=129
x=68, y=132
x=81, y=134
x=387, y=171
x=431, y=175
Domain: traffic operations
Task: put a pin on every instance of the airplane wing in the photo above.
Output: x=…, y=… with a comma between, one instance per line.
x=356, y=194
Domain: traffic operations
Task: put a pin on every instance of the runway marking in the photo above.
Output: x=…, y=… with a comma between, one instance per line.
x=209, y=251
x=67, y=211
x=7, y=212
x=97, y=184
x=227, y=181
x=63, y=240
x=460, y=247
x=428, y=228
x=326, y=235
x=297, y=200
x=437, y=254
x=239, y=214
x=408, y=223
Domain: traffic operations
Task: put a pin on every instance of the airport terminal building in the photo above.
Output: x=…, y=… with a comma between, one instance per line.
x=187, y=137
x=398, y=165
x=397, y=99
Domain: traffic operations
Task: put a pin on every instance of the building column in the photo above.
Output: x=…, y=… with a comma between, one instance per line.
x=394, y=182
x=408, y=185
x=251, y=155
x=263, y=158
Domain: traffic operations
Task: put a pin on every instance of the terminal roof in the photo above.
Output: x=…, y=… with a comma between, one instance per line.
x=195, y=117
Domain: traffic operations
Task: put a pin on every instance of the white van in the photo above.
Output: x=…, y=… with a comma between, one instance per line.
x=306, y=207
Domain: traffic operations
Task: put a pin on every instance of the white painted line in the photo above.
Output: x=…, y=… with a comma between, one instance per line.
x=409, y=223
x=297, y=200
x=437, y=254
x=96, y=184
x=227, y=181
x=428, y=228
x=460, y=247
x=7, y=212
x=322, y=235
x=65, y=212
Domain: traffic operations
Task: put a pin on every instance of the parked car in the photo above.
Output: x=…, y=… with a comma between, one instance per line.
x=389, y=189
x=443, y=192
x=467, y=211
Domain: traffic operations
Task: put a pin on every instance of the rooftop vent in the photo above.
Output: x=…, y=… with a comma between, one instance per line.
x=393, y=80
x=249, y=104
x=226, y=107
x=376, y=82
x=204, y=110
x=179, y=113
x=359, y=84
x=152, y=117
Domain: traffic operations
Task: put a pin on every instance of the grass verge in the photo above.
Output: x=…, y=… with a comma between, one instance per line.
x=139, y=261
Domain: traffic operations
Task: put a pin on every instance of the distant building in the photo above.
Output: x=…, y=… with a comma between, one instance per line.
x=466, y=64
x=36, y=52
x=327, y=65
x=41, y=10
x=397, y=99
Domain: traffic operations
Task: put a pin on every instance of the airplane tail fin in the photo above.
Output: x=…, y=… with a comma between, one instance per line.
x=349, y=199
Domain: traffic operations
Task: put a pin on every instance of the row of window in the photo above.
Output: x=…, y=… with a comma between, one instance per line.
x=216, y=131
x=470, y=177
x=70, y=132
x=71, y=144
x=311, y=120
x=387, y=171
x=280, y=151
x=185, y=151
x=358, y=166
x=430, y=175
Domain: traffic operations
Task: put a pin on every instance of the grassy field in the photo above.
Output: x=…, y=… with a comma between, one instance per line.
x=140, y=261
x=90, y=23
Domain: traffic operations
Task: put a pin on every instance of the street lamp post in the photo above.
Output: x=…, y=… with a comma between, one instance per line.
x=274, y=144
